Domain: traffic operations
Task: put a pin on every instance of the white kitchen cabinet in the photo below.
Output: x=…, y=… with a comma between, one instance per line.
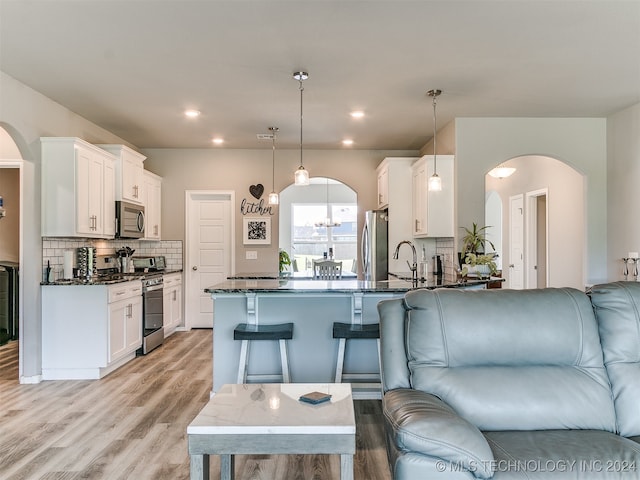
x=172, y=302
x=394, y=185
x=125, y=319
x=383, y=184
x=78, y=189
x=109, y=197
x=89, y=330
x=433, y=211
x=152, y=205
x=129, y=173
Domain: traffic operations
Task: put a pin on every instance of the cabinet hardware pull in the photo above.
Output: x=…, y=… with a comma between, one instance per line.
x=174, y=295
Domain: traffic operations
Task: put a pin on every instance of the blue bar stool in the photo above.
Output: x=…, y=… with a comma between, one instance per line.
x=348, y=331
x=247, y=332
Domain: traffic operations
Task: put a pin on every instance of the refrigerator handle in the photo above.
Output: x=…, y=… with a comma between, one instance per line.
x=364, y=250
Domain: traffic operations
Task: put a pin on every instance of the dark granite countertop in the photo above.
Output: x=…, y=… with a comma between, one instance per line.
x=107, y=280
x=398, y=285
x=304, y=275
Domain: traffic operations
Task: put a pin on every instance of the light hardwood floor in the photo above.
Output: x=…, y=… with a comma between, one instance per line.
x=132, y=424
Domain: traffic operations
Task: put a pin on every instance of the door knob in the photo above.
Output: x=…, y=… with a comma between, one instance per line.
x=512, y=266
x=194, y=268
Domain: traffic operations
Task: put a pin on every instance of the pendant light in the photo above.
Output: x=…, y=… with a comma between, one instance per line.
x=301, y=175
x=435, y=182
x=273, y=196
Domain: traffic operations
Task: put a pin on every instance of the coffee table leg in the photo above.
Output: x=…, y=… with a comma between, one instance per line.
x=346, y=467
x=227, y=467
x=199, y=467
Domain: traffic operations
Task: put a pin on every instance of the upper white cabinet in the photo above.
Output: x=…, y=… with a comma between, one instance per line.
x=433, y=211
x=152, y=205
x=383, y=184
x=129, y=173
x=394, y=178
x=78, y=189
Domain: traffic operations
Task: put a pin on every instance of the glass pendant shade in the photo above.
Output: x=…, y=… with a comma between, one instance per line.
x=435, y=183
x=301, y=176
x=273, y=198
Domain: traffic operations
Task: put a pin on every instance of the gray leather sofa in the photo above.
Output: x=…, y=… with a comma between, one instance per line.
x=510, y=384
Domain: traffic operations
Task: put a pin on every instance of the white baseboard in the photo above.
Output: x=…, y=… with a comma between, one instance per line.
x=30, y=380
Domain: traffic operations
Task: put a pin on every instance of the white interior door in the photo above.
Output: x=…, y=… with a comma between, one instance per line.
x=516, y=242
x=536, y=239
x=209, y=251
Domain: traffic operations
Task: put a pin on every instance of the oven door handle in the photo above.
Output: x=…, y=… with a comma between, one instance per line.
x=153, y=288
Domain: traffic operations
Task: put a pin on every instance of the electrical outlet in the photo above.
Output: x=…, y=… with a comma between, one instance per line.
x=251, y=255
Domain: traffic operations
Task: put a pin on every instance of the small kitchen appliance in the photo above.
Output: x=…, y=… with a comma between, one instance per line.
x=87, y=266
x=129, y=220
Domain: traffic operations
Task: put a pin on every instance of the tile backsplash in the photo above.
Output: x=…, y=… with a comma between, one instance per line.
x=53, y=250
x=445, y=247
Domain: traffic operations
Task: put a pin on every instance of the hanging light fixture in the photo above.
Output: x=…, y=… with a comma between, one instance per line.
x=501, y=171
x=301, y=175
x=328, y=222
x=273, y=196
x=435, y=182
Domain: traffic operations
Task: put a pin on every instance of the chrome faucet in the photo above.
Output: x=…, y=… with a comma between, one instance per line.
x=414, y=267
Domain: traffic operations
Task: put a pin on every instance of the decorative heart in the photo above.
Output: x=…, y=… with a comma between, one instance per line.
x=257, y=190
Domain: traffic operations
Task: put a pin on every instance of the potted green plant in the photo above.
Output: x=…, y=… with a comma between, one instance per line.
x=475, y=239
x=284, y=260
x=481, y=264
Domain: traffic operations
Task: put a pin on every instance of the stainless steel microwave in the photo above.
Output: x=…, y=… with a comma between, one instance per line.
x=129, y=220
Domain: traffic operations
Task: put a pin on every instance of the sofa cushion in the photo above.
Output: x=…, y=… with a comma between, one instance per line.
x=422, y=423
x=395, y=373
x=566, y=454
x=510, y=359
x=617, y=308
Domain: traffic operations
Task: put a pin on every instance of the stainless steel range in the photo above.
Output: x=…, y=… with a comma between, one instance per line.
x=152, y=304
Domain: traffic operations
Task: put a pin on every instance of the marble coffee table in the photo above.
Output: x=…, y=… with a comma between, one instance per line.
x=269, y=419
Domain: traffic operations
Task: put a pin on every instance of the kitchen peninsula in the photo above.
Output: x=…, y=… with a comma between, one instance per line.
x=312, y=306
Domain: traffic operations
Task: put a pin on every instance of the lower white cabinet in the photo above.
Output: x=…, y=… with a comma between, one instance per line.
x=89, y=330
x=172, y=302
x=125, y=319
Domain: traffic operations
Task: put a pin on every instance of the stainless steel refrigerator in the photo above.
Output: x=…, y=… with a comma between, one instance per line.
x=375, y=245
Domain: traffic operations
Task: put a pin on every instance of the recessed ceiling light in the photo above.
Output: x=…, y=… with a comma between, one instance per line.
x=347, y=142
x=218, y=140
x=357, y=114
x=192, y=113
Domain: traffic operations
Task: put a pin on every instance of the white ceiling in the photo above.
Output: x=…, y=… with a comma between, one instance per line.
x=133, y=66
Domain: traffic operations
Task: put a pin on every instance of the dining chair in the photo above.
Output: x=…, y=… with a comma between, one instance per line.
x=327, y=270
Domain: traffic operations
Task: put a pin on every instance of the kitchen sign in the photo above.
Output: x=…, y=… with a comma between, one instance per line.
x=249, y=207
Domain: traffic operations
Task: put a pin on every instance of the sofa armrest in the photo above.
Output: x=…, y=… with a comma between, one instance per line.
x=420, y=422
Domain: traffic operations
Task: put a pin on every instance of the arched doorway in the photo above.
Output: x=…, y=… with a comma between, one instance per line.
x=544, y=198
x=11, y=250
x=304, y=215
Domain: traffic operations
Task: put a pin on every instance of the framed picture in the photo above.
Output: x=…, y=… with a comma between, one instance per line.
x=256, y=231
